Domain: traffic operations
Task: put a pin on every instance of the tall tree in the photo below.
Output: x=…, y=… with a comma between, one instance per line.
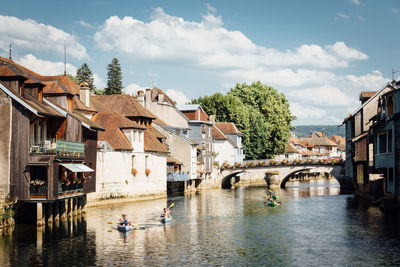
x=260, y=112
x=84, y=74
x=114, y=78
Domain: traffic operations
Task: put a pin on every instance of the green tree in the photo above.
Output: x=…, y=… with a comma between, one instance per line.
x=114, y=78
x=260, y=112
x=84, y=74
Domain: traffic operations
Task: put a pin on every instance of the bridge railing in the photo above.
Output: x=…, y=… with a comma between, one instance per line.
x=272, y=162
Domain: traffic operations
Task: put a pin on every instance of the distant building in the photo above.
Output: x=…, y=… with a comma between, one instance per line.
x=200, y=132
x=230, y=130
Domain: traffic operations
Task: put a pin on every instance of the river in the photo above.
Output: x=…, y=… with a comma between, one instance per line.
x=314, y=225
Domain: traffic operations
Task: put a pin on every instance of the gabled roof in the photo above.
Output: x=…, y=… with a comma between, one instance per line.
x=111, y=119
x=217, y=134
x=339, y=140
x=228, y=127
x=154, y=96
x=291, y=149
x=152, y=144
x=68, y=84
x=173, y=161
x=113, y=122
x=33, y=77
x=31, y=103
x=125, y=105
x=319, y=141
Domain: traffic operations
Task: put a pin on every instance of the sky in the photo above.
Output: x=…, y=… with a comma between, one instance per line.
x=321, y=54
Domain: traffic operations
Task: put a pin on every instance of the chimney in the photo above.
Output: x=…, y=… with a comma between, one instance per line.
x=140, y=97
x=212, y=118
x=84, y=93
x=147, y=100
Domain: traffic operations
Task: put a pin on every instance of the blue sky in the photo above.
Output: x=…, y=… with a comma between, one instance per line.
x=321, y=54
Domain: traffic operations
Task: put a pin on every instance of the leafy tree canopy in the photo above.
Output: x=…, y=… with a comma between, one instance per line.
x=259, y=111
x=114, y=78
x=72, y=77
x=84, y=74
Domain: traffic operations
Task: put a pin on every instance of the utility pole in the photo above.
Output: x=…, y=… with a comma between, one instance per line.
x=65, y=58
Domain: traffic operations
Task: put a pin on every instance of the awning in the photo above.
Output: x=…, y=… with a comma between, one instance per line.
x=76, y=167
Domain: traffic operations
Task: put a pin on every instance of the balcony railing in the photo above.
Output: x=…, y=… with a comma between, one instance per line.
x=178, y=177
x=60, y=148
x=38, y=191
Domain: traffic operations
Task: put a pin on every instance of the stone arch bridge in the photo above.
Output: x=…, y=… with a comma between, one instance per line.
x=278, y=175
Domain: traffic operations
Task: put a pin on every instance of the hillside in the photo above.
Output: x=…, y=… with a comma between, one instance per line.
x=305, y=130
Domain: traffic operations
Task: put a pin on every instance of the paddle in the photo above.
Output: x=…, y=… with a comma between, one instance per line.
x=170, y=206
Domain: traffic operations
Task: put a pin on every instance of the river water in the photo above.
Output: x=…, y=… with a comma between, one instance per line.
x=314, y=225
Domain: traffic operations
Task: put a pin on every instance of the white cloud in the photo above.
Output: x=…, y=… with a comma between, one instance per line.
x=99, y=81
x=356, y=2
x=309, y=115
x=85, y=24
x=342, y=16
x=395, y=11
x=210, y=8
x=132, y=88
x=28, y=35
x=321, y=96
x=208, y=45
x=177, y=96
x=45, y=67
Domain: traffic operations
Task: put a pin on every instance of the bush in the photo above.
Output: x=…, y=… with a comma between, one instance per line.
x=273, y=162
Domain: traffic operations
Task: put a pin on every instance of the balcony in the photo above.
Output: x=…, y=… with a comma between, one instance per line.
x=177, y=176
x=60, y=148
x=38, y=189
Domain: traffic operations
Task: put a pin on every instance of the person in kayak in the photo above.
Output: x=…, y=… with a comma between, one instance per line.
x=124, y=220
x=166, y=213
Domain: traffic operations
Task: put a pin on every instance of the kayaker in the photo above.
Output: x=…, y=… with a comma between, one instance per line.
x=124, y=220
x=166, y=213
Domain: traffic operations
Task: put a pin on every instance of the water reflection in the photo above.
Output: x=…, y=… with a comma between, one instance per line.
x=314, y=225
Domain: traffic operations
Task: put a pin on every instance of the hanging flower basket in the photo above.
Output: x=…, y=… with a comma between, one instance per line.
x=147, y=172
x=134, y=171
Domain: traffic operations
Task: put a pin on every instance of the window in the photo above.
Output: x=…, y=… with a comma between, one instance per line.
x=385, y=142
x=146, y=162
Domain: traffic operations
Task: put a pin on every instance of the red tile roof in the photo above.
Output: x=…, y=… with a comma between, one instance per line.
x=152, y=144
x=125, y=105
x=217, y=134
x=228, y=127
x=291, y=149
x=113, y=122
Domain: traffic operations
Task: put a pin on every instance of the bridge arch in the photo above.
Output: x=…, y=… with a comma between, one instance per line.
x=226, y=182
x=331, y=171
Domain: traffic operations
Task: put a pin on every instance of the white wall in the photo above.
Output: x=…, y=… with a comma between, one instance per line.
x=114, y=175
x=182, y=150
x=225, y=152
x=136, y=138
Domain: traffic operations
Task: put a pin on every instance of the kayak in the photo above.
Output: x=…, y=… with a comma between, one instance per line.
x=124, y=228
x=272, y=204
x=166, y=220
